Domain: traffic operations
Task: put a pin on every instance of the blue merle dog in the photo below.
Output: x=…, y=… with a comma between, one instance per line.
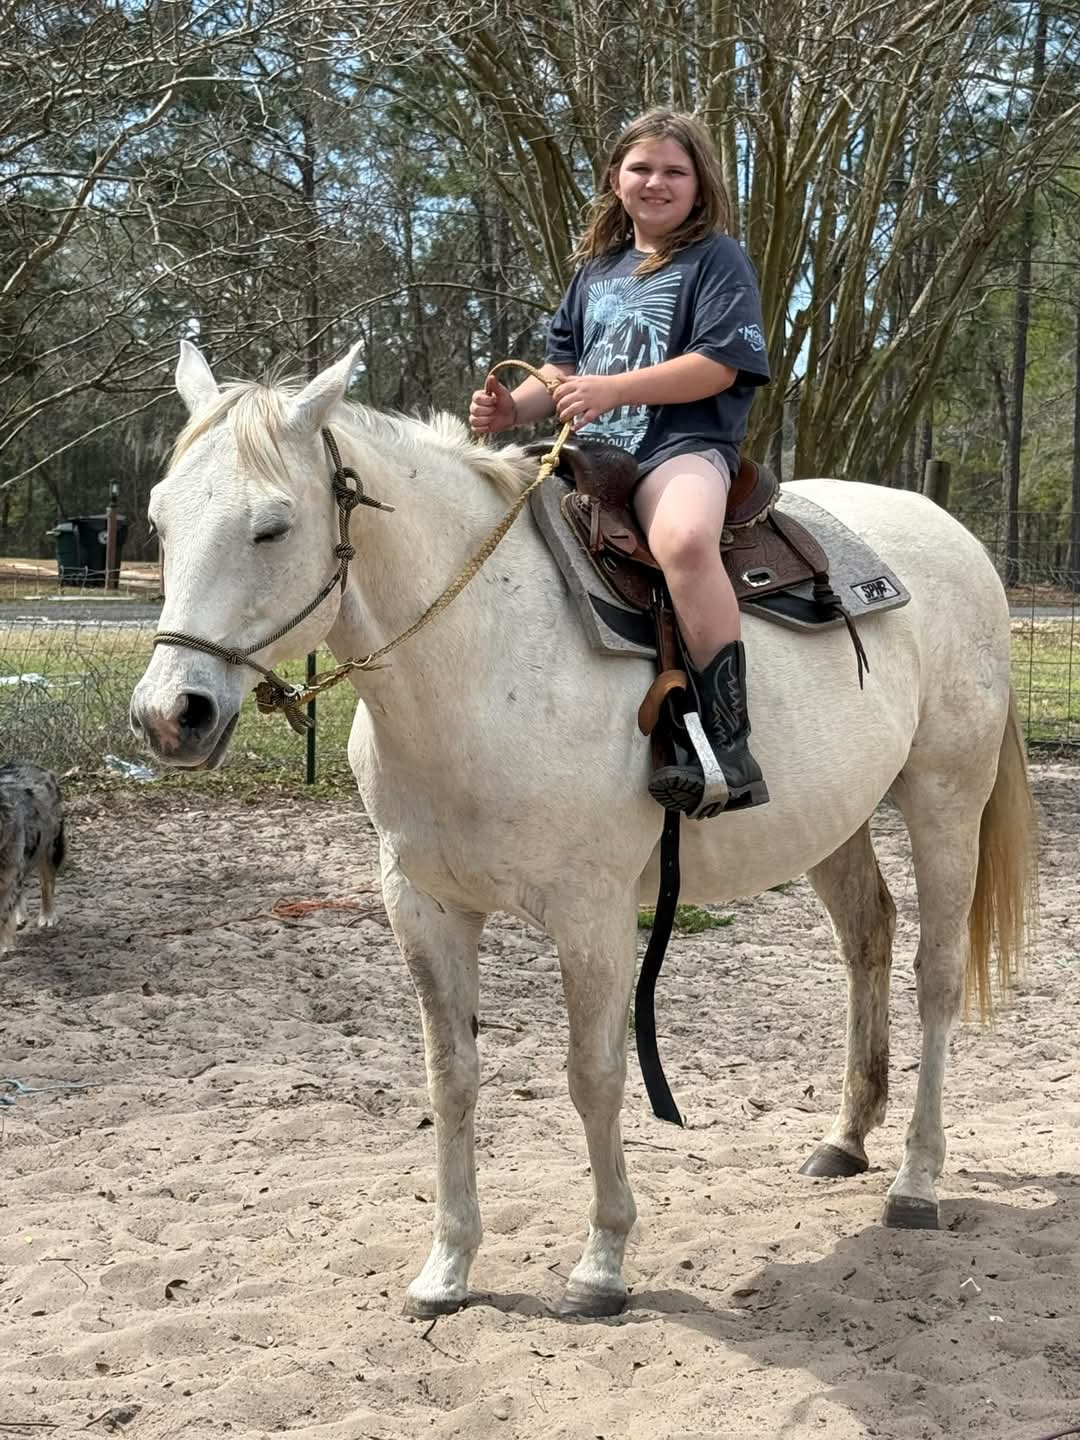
x=31, y=835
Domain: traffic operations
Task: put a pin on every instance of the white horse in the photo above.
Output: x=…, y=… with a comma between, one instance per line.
x=500, y=763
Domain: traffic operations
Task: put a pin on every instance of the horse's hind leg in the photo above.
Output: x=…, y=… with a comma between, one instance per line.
x=440, y=947
x=597, y=961
x=943, y=815
x=850, y=886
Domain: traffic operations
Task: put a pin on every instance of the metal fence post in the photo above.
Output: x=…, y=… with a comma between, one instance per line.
x=112, y=570
x=310, y=775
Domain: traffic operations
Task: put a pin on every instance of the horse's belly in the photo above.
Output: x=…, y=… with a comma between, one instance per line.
x=756, y=851
x=829, y=754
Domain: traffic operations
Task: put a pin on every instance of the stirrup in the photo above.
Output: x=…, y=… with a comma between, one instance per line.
x=714, y=795
x=696, y=789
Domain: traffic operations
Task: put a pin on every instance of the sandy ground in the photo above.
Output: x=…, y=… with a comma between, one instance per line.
x=214, y=1237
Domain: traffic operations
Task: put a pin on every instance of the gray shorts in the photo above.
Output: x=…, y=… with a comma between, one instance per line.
x=711, y=457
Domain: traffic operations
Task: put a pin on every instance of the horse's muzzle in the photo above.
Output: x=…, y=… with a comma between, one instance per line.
x=186, y=732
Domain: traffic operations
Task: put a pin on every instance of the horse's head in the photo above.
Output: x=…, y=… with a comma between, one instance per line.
x=249, y=525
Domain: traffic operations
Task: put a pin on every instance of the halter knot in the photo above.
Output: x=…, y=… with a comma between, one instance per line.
x=347, y=496
x=345, y=551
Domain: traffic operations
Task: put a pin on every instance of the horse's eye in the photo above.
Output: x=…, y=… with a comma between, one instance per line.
x=268, y=536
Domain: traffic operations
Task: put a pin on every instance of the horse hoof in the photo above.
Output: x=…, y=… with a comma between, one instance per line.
x=418, y=1308
x=829, y=1161
x=592, y=1304
x=904, y=1212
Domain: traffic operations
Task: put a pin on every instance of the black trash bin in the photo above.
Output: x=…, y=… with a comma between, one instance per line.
x=81, y=548
x=68, y=559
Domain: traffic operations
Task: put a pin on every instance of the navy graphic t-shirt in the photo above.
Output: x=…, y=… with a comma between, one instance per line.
x=703, y=302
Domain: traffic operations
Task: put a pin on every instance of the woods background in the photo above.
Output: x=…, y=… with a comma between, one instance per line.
x=278, y=180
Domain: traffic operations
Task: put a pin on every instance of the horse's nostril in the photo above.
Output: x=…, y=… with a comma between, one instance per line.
x=199, y=713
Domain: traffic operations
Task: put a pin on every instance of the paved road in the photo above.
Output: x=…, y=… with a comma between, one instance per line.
x=135, y=613
x=124, y=613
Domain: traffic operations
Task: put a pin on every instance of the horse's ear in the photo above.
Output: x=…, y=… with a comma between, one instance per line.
x=308, y=410
x=195, y=380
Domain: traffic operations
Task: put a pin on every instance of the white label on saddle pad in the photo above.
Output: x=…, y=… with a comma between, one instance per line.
x=872, y=592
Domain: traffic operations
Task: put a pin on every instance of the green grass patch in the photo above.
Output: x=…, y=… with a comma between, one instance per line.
x=689, y=919
x=64, y=696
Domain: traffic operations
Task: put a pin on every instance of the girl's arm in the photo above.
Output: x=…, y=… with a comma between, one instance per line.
x=495, y=408
x=673, y=382
x=531, y=401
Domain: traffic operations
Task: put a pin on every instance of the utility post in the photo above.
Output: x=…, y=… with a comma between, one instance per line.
x=112, y=570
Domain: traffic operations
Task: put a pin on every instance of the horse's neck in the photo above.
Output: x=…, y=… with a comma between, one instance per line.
x=405, y=560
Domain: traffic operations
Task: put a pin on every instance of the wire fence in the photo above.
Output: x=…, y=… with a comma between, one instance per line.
x=1044, y=602
x=65, y=688
x=65, y=685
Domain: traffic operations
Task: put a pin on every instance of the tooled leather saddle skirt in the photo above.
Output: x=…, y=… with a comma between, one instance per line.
x=763, y=552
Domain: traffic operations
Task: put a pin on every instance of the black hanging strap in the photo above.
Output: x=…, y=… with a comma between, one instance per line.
x=652, y=1072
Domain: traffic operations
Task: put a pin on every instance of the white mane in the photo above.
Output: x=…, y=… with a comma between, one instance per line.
x=257, y=413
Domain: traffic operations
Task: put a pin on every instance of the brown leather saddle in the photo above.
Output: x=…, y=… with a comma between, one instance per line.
x=764, y=552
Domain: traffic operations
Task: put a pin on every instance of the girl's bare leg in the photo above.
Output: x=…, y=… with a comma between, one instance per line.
x=681, y=507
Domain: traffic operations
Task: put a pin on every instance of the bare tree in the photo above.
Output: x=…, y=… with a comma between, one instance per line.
x=282, y=179
x=860, y=155
x=1020, y=327
x=171, y=170
x=1074, y=520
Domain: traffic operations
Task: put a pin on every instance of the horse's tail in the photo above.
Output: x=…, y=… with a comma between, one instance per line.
x=1005, y=907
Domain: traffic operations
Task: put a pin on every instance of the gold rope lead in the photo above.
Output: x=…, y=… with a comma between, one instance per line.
x=268, y=699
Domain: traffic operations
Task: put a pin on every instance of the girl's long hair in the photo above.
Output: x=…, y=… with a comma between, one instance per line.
x=610, y=229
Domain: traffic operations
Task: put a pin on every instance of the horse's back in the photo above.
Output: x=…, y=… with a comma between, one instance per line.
x=932, y=552
x=955, y=628
x=832, y=748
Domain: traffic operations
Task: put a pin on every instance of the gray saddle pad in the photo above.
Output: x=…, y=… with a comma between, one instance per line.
x=863, y=581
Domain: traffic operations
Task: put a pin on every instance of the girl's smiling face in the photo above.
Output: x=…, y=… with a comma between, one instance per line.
x=658, y=187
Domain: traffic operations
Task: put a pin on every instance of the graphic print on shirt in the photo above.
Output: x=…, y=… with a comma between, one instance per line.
x=627, y=326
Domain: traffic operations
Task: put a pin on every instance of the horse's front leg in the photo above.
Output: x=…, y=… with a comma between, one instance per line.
x=597, y=960
x=440, y=947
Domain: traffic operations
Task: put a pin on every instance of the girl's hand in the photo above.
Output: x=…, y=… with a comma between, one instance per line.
x=583, y=398
x=492, y=409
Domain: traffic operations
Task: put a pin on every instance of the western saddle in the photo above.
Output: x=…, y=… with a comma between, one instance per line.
x=764, y=552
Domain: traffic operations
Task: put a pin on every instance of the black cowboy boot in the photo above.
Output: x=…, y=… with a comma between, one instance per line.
x=734, y=782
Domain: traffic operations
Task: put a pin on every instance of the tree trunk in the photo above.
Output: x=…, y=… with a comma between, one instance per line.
x=1016, y=410
x=416, y=375
x=308, y=186
x=1020, y=336
x=909, y=479
x=1074, y=523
